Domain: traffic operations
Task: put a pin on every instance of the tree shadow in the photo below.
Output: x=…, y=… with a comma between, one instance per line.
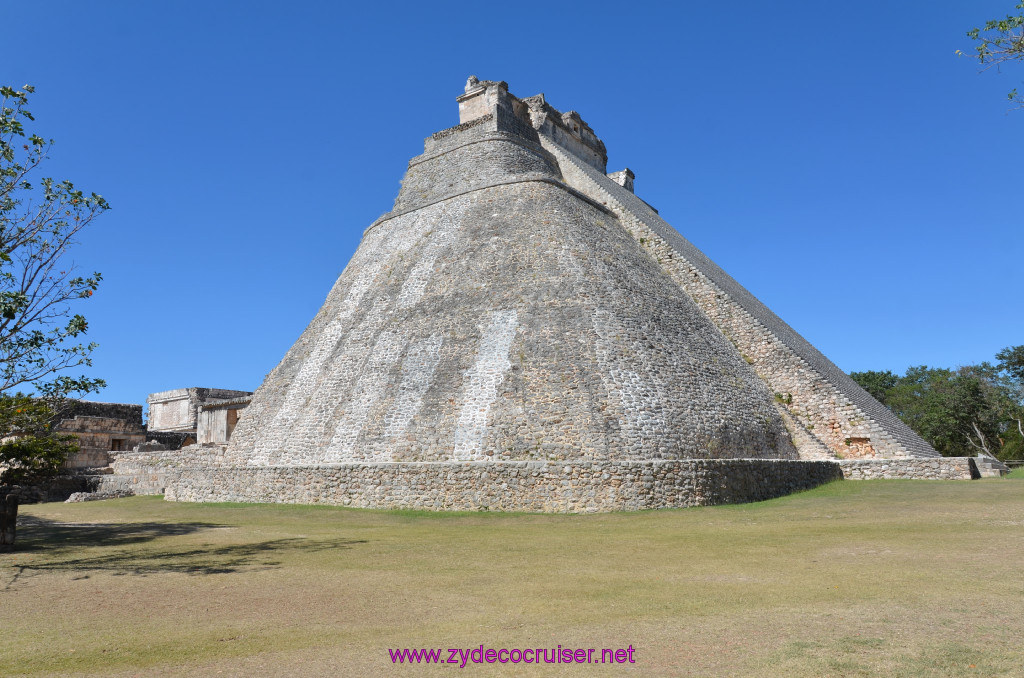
x=65, y=547
x=39, y=534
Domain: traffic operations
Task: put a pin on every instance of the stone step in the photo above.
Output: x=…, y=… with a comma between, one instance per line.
x=991, y=468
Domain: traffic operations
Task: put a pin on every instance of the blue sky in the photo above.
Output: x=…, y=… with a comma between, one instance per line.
x=836, y=158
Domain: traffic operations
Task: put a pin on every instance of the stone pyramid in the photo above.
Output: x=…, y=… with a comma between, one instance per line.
x=522, y=331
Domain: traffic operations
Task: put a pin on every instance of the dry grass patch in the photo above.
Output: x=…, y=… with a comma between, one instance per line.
x=855, y=578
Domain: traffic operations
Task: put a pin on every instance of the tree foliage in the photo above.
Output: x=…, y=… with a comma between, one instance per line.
x=876, y=383
x=963, y=411
x=1011, y=364
x=31, y=450
x=1000, y=41
x=38, y=224
x=40, y=338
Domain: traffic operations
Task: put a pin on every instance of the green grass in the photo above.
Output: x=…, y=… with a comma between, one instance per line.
x=896, y=578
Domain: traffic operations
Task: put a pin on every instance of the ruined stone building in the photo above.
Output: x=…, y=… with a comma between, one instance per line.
x=181, y=410
x=177, y=419
x=521, y=331
x=101, y=428
x=217, y=419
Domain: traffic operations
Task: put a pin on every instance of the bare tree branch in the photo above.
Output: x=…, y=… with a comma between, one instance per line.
x=982, y=445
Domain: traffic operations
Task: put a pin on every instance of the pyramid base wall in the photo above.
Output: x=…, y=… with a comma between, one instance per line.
x=939, y=468
x=551, y=487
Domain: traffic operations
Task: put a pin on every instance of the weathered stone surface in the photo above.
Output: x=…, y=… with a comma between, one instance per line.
x=573, y=487
x=514, y=321
x=100, y=428
x=79, y=497
x=938, y=468
x=216, y=419
x=177, y=410
x=522, y=332
x=824, y=401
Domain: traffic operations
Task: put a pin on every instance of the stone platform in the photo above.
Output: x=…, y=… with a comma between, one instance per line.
x=203, y=474
x=552, y=487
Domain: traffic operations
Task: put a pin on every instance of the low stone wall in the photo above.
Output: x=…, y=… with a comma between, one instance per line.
x=57, y=488
x=209, y=454
x=151, y=471
x=941, y=468
x=573, y=487
x=174, y=440
x=145, y=481
x=200, y=475
x=130, y=414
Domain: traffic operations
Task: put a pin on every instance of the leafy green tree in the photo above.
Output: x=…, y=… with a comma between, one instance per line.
x=990, y=422
x=31, y=450
x=876, y=383
x=1011, y=365
x=1000, y=42
x=1011, y=361
x=940, y=405
x=970, y=410
x=39, y=336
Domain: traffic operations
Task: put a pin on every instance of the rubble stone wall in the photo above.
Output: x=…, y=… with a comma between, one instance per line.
x=941, y=468
x=572, y=487
x=130, y=414
x=98, y=435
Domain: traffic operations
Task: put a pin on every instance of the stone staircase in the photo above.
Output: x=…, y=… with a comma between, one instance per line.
x=989, y=467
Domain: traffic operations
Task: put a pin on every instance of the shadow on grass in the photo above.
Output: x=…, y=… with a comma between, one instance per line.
x=39, y=534
x=84, y=548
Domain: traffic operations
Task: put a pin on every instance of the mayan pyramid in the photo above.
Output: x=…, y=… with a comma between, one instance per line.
x=521, y=313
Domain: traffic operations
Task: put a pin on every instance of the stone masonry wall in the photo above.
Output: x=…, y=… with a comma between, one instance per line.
x=98, y=435
x=495, y=158
x=940, y=468
x=177, y=410
x=130, y=414
x=823, y=401
x=512, y=322
x=572, y=487
x=204, y=473
x=150, y=471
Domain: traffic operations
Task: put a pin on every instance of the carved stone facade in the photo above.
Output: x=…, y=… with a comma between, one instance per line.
x=217, y=419
x=178, y=409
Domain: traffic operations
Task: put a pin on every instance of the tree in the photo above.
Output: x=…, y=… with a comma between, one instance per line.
x=32, y=451
x=1011, y=365
x=39, y=223
x=1011, y=361
x=970, y=410
x=1000, y=42
x=876, y=383
x=943, y=406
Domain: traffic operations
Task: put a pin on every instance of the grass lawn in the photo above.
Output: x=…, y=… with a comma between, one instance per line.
x=895, y=578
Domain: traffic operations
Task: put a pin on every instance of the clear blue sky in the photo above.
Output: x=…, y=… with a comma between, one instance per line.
x=836, y=158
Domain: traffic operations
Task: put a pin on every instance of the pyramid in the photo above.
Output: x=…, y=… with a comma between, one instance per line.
x=521, y=331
